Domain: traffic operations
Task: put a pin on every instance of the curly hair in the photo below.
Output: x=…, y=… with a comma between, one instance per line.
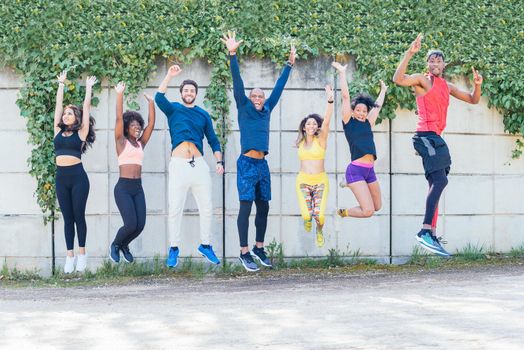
x=364, y=99
x=77, y=125
x=130, y=116
x=302, y=125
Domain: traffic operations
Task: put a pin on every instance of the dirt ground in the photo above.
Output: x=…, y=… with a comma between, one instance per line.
x=477, y=308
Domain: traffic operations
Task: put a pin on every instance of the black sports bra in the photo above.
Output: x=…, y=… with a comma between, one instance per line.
x=68, y=145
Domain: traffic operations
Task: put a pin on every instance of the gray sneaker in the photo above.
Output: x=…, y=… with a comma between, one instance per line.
x=247, y=262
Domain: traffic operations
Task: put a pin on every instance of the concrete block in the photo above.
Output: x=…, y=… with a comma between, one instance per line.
x=467, y=118
x=409, y=195
x=25, y=236
x=9, y=79
x=503, y=163
x=404, y=230
x=403, y=158
x=298, y=104
x=96, y=157
x=41, y=266
x=17, y=196
x=14, y=151
x=498, y=122
x=11, y=118
x=471, y=154
x=369, y=237
x=508, y=232
x=314, y=73
x=155, y=153
x=469, y=195
x=101, y=112
x=476, y=230
x=98, y=201
x=405, y=121
x=508, y=194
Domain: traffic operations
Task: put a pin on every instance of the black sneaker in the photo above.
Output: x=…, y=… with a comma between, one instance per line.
x=114, y=252
x=247, y=262
x=127, y=254
x=260, y=255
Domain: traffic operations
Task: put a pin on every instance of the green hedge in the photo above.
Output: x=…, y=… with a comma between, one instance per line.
x=121, y=40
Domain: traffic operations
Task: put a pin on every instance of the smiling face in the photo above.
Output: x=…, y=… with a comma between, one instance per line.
x=68, y=118
x=360, y=112
x=134, y=129
x=436, y=64
x=189, y=94
x=257, y=97
x=311, y=127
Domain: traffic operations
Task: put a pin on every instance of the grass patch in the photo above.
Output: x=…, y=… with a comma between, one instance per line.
x=517, y=252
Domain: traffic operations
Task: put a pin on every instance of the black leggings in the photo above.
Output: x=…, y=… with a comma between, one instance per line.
x=437, y=182
x=72, y=189
x=131, y=202
x=260, y=220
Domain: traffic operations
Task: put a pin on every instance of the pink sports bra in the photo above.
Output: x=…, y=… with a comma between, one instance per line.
x=131, y=154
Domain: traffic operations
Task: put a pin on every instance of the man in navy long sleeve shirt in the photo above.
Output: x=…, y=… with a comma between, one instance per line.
x=188, y=124
x=253, y=178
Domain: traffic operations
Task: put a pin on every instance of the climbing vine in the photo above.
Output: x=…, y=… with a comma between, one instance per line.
x=122, y=40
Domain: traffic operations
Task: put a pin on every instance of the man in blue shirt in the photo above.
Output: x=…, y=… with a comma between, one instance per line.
x=253, y=178
x=188, y=124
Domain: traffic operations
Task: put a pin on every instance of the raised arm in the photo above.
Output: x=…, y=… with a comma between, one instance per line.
x=146, y=135
x=86, y=110
x=469, y=97
x=373, y=114
x=59, y=105
x=119, y=121
x=400, y=77
x=160, y=97
x=282, y=80
x=346, y=103
x=324, y=130
x=238, y=85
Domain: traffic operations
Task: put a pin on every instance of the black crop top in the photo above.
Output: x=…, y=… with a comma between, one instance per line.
x=68, y=145
x=360, y=138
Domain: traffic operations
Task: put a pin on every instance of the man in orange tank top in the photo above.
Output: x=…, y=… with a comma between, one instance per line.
x=432, y=93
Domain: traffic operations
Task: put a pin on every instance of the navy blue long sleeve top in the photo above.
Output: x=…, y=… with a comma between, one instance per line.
x=188, y=124
x=254, y=125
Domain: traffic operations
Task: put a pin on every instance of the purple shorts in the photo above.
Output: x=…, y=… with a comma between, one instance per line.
x=357, y=171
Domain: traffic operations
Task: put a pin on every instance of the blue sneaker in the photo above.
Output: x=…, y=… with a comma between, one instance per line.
x=425, y=238
x=260, y=255
x=172, y=259
x=114, y=252
x=207, y=252
x=438, y=242
x=247, y=262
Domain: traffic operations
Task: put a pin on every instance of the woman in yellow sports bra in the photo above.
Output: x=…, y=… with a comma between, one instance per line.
x=312, y=184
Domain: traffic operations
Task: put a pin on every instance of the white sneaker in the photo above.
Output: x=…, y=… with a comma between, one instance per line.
x=81, y=262
x=69, y=265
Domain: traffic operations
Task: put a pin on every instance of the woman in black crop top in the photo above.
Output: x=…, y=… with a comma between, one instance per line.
x=73, y=133
x=358, y=118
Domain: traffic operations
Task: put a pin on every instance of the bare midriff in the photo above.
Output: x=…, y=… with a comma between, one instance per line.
x=312, y=166
x=186, y=150
x=368, y=159
x=131, y=171
x=67, y=160
x=255, y=154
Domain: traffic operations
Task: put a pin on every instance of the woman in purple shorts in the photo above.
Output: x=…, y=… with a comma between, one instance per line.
x=358, y=118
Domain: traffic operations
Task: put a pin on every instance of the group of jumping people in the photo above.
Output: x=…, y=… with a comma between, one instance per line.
x=189, y=124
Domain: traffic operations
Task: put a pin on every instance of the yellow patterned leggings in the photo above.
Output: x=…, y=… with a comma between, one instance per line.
x=312, y=191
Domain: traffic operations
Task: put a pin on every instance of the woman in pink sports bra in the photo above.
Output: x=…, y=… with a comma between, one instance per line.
x=129, y=195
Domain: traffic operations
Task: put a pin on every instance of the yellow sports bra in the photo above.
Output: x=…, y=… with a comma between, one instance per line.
x=315, y=152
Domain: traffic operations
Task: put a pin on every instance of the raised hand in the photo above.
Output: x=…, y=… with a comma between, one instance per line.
x=415, y=45
x=120, y=87
x=174, y=70
x=329, y=92
x=292, y=54
x=340, y=68
x=477, y=78
x=62, y=77
x=231, y=42
x=90, y=81
x=148, y=97
x=383, y=86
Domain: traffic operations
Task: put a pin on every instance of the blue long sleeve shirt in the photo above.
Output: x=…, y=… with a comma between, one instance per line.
x=188, y=124
x=253, y=124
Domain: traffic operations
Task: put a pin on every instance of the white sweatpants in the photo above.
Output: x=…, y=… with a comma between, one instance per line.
x=182, y=177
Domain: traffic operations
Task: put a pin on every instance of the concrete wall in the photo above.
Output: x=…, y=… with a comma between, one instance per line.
x=480, y=206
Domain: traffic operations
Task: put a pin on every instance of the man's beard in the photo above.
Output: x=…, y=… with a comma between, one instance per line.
x=189, y=100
